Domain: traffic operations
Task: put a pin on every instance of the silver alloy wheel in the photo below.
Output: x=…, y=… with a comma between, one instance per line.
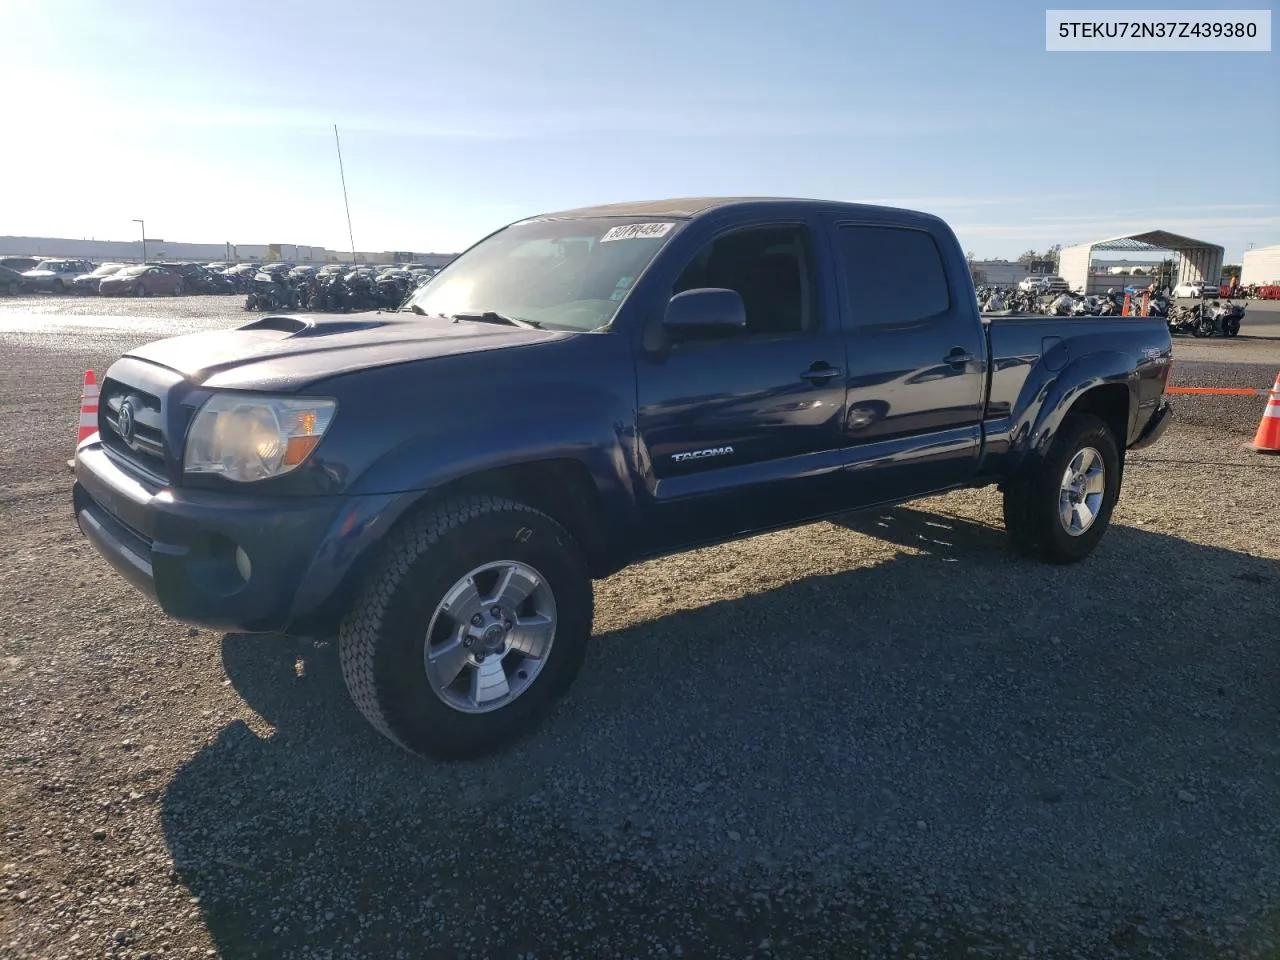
x=490, y=636
x=1084, y=484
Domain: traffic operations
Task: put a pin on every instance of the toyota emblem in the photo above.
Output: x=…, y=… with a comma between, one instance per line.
x=125, y=421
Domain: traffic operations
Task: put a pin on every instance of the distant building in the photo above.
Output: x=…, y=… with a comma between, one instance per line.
x=999, y=273
x=1261, y=266
x=102, y=251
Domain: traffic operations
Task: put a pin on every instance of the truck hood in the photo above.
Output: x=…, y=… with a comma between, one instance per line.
x=287, y=352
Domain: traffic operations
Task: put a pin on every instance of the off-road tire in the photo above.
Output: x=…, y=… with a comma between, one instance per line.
x=382, y=637
x=1031, y=498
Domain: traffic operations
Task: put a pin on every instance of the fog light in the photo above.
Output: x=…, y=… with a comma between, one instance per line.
x=242, y=564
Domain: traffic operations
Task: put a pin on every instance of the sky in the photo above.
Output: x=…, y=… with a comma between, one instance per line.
x=214, y=122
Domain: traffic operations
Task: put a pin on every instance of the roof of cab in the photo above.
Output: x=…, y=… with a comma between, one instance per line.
x=689, y=207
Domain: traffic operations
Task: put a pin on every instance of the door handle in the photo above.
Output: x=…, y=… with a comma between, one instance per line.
x=958, y=356
x=820, y=373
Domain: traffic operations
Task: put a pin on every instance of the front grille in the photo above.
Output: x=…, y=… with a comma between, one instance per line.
x=145, y=447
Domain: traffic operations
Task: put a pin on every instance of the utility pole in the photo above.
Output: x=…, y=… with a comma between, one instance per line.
x=144, y=239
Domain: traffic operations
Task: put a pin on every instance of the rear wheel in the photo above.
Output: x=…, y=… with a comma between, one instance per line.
x=139, y=290
x=57, y=286
x=178, y=289
x=1060, y=507
x=472, y=624
x=15, y=288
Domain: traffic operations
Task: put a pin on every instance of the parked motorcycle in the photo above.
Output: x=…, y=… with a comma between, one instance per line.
x=1227, y=317
x=271, y=292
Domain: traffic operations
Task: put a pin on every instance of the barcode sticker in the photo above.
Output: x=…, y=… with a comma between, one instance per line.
x=637, y=231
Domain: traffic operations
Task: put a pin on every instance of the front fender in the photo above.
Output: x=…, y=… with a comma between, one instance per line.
x=402, y=478
x=407, y=430
x=1048, y=396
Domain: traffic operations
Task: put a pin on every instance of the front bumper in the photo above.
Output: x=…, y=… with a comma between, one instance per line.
x=1156, y=426
x=179, y=547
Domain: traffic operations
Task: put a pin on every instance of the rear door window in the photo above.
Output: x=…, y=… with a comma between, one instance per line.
x=893, y=275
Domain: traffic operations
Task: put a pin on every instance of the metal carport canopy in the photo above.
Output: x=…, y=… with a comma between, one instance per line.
x=1197, y=259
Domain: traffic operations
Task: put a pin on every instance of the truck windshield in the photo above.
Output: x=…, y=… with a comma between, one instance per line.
x=557, y=274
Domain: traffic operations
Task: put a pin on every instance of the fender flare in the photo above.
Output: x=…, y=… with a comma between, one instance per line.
x=1047, y=400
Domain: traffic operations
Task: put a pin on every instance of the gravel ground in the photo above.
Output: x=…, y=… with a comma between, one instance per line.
x=882, y=736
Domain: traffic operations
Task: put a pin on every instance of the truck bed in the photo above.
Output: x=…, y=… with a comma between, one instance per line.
x=1028, y=350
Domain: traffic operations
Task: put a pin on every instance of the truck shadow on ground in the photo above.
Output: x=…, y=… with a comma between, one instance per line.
x=806, y=765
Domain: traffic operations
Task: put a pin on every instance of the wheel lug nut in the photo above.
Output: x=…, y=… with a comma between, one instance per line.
x=467, y=642
x=480, y=657
x=496, y=613
x=506, y=624
x=477, y=620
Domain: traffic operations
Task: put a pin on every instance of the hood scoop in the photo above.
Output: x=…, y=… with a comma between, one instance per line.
x=309, y=327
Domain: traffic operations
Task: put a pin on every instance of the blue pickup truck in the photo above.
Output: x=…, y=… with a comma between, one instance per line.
x=577, y=392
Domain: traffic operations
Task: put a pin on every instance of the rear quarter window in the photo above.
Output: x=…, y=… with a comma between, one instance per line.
x=893, y=275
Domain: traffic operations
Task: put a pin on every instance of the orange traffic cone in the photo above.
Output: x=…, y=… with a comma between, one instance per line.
x=88, y=408
x=1128, y=300
x=1267, y=439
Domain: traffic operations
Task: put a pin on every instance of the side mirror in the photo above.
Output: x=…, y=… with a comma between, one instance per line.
x=706, y=311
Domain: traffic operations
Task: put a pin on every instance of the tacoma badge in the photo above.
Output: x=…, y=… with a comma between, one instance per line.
x=702, y=454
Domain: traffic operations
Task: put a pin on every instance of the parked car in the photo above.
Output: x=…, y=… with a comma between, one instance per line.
x=1044, y=284
x=12, y=283
x=576, y=393
x=1197, y=289
x=20, y=264
x=196, y=279
x=55, y=276
x=88, y=283
x=145, y=280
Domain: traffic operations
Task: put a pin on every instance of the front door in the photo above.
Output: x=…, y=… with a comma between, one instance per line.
x=743, y=432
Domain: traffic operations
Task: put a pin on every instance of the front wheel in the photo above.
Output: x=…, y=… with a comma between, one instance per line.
x=1061, y=506
x=472, y=624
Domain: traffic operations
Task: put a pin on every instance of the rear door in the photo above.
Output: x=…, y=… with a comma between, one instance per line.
x=916, y=359
x=743, y=431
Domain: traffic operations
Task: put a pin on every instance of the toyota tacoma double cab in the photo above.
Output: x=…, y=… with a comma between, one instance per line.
x=577, y=392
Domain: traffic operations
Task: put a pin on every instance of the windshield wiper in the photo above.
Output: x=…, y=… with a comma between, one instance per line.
x=490, y=316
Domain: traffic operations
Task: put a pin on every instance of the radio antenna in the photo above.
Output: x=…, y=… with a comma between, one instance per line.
x=345, y=202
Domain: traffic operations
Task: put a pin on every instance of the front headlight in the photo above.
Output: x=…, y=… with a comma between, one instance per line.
x=247, y=437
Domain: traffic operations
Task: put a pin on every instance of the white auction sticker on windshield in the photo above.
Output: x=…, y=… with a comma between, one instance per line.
x=637, y=231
